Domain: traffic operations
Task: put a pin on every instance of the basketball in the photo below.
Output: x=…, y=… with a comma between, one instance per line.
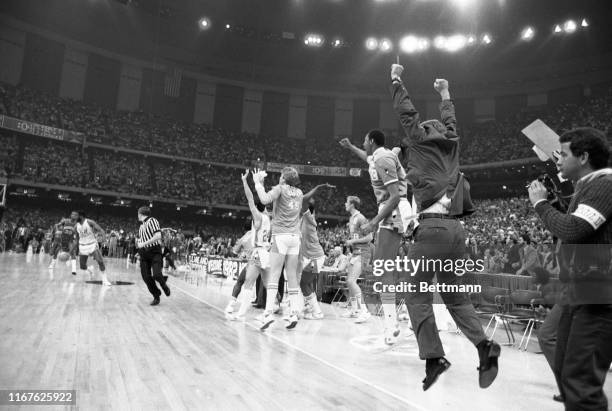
x=63, y=256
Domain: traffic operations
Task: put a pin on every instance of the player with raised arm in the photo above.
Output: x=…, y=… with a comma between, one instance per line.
x=311, y=257
x=287, y=204
x=86, y=231
x=388, y=180
x=259, y=260
x=242, y=249
x=359, y=241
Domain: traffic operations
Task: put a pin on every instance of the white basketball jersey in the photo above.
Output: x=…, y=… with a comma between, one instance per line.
x=261, y=236
x=86, y=234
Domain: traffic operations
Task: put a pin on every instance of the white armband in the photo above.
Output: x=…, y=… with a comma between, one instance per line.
x=590, y=215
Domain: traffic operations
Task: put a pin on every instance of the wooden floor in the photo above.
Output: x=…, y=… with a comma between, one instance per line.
x=60, y=332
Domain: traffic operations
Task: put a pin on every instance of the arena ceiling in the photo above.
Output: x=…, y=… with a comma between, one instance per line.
x=259, y=39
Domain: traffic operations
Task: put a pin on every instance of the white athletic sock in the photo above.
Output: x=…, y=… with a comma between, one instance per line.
x=294, y=299
x=314, y=303
x=245, y=296
x=271, y=292
x=73, y=263
x=390, y=315
x=360, y=304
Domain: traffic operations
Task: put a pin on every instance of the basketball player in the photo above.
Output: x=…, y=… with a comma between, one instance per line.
x=64, y=240
x=388, y=180
x=86, y=230
x=311, y=259
x=167, y=246
x=259, y=260
x=285, y=247
x=242, y=249
x=359, y=241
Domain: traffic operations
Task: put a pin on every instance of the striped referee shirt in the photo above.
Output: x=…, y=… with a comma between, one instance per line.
x=147, y=230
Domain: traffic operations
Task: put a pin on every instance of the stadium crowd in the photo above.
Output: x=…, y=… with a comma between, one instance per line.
x=505, y=233
x=490, y=141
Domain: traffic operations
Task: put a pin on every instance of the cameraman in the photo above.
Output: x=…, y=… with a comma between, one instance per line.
x=583, y=352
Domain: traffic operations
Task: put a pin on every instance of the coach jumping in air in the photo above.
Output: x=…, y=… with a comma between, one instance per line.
x=430, y=152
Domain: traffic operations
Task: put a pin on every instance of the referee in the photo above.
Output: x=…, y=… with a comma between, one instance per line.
x=151, y=259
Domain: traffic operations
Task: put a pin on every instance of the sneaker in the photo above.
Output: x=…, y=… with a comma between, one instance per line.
x=277, y=308
x=265, y=319
x=391, y=335
x=433, y=371
x=52, y=265
x=106, y=283
x=236, y=317
x=363, y=317
x=313, y=316
x=155, y=301
x=488, y=352
x=292, y=321
x=230, y=307
x=349, y=314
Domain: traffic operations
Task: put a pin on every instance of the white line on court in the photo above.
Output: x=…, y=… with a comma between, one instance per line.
x=363, y=381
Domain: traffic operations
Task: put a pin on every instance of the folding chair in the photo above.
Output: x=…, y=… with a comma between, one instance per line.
x=521, y=307
x=490, y=305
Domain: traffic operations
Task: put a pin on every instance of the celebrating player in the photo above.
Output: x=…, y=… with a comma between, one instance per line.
x=359, y=241
x=287, y=204
x=311, y=257
x=259, y=260
x=390, y=189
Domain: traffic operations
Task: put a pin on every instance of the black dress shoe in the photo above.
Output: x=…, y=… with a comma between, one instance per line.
x=166, y=290
x=433, y=371
x=488, y=352
x=558, y=398
x=155, y=301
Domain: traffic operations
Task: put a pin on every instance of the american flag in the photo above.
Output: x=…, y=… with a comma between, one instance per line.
x=172, y=83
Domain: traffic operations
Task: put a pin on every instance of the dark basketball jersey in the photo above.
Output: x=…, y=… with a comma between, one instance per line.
x=68, y=236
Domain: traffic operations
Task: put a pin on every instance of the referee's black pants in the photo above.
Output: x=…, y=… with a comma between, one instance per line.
x=151, y=261
x=583, y=355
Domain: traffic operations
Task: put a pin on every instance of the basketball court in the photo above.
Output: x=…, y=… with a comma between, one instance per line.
x=63, y=332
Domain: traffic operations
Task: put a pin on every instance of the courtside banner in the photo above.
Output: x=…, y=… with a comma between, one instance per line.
x=36, y=129
x=309, y=169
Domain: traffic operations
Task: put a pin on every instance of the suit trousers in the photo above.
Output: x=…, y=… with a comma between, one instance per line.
x=583, y=355
x=438, y=239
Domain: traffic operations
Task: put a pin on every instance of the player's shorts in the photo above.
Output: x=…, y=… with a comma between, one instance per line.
x=316, y=263
x=260, y=257
x=400, y=218
x=286, y=244
x=87, y=249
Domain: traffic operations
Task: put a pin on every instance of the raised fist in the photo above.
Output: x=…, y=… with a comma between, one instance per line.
x=345, y=142
x=440, y=85
x=396, y=71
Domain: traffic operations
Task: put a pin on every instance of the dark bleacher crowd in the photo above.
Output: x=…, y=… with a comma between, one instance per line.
x=486, y=142
x=505, y=233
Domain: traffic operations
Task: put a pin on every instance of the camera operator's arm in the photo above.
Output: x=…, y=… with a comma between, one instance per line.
x=407, y=113
x=593, y=210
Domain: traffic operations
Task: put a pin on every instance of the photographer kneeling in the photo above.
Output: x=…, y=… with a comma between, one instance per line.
x=583, y=352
